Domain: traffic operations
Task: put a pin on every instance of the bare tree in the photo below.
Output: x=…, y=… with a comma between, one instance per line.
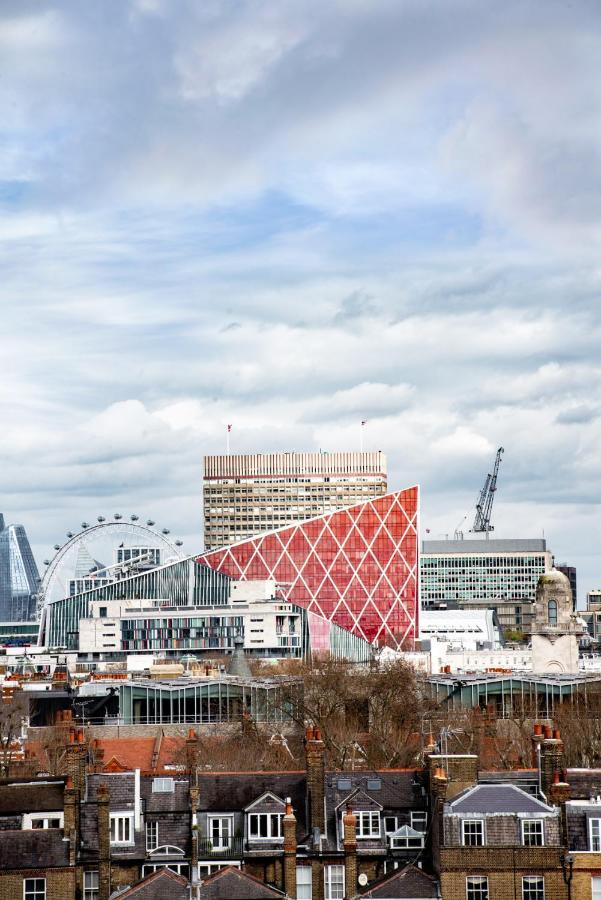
x=13, y=717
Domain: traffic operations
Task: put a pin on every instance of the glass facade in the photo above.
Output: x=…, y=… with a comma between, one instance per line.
x=204, y=702
x=19, y=577
x=355, y=567
x=181, y=633
x=480, y=577
x=182, y=583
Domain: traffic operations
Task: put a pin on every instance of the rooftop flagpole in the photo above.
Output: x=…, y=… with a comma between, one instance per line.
x=363, y=424
x=227, y=440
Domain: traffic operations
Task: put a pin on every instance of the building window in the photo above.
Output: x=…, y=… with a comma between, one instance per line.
x=304, y=883
x=45, y=821
x=90, y=885
x=595, y=834
x=334, y=882
x=476, y=887
x=390, y=824
x=552, y=612
x=532, y=833
x=595, y=888
x=220, y=831
x=152, y=836
x=122, y=831
x=163, y=785
x=473, y=832
x=263, y=826
x=35, y=889
x=533, y=887
x=368, y=824
x=419, y=820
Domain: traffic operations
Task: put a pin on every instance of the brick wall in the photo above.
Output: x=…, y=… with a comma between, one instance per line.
x=60, y=883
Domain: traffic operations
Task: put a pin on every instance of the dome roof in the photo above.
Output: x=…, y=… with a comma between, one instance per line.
x=555, y=577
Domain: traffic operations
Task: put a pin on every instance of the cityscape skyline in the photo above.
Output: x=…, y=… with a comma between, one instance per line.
x=291, y=218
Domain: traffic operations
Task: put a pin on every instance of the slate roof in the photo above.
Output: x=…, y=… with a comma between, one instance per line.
x=410, y=883
x=161, y=884
x=497, y=798
x=39, y=848
x=31, y=796
x=231, y=791
x=233, y=884
x=584, y=783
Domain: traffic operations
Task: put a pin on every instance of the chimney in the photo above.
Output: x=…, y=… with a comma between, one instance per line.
x=551, y=759
x=349, y=843
x=559, y=789
x=194, y=823
x=315, y=758
x=289, y=824
x=536, y=739
x=104, y=842
x=76, y=758
x=71, y=817
x=192, y=744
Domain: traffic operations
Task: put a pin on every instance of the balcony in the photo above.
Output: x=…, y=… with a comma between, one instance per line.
x=233, y=848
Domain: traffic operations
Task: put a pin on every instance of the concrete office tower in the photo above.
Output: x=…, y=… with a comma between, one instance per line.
x=500, y=574
x=252, y=493
x=18, y=575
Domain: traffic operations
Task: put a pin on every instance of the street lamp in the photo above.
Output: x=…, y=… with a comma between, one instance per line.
x=567, y=866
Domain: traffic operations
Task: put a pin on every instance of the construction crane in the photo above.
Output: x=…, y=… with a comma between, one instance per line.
x=485, y=501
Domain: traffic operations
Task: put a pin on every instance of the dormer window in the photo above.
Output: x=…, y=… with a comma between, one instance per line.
x=472, y=832
x=265, y=826
x=407, y=838
x=368, y=824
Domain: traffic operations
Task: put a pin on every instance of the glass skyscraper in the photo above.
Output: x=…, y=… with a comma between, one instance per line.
x=19, y=577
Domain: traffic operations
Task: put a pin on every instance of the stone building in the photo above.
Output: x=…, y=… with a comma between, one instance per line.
x=556, y=627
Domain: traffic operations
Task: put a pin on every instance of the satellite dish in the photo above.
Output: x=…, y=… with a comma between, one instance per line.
x=362, y=879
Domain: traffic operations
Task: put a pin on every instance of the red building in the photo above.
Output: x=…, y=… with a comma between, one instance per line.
x=357, y=567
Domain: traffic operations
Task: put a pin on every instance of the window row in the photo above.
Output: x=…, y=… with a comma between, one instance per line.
x=533, y=887
x=473, y=832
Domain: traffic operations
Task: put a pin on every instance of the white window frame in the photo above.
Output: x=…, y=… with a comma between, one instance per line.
x=330, y=882
x=163, y=785
x=595, y=887
x=525, y=879
x=270, y=822
x=420, y=816
x=483, y=879
x=180, y=868
x=594, y=825
x=221, y=844
x=304, y=885
x=465, y=822
x=540, y=825
x=365, y=824
x=45, y=818
x=152, y=836
x=123, y=817
x=36, y=892
x=91, y=885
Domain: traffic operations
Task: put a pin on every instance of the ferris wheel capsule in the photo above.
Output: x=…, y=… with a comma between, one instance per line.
x=178, y=543
x=134, y=517
x=85, y=524
x=100, y=519
x=117, y=516
x=150, y=522
x=69, y=534
x=57, y=546
x=164, y=531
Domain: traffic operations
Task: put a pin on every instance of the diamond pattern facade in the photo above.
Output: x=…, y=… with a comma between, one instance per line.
x=357, y=567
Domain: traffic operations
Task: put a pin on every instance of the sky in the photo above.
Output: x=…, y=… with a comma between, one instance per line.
x=292, y=217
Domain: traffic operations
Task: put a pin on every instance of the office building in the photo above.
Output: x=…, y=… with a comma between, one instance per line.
x=253, y=493
x=19, y=577
x=354, y=567
x=499, y=574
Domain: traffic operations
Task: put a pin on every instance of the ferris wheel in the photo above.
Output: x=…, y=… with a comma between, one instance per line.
x=99, y=553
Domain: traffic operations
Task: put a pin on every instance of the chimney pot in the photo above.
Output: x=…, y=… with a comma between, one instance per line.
x=309, y=733
x=547, y=731
x=317, y=733
x=538, y=728
x=555, y=777
x=557, y=734
x=80, y=736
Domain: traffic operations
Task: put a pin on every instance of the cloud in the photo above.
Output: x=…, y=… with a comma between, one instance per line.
x=294, y=217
